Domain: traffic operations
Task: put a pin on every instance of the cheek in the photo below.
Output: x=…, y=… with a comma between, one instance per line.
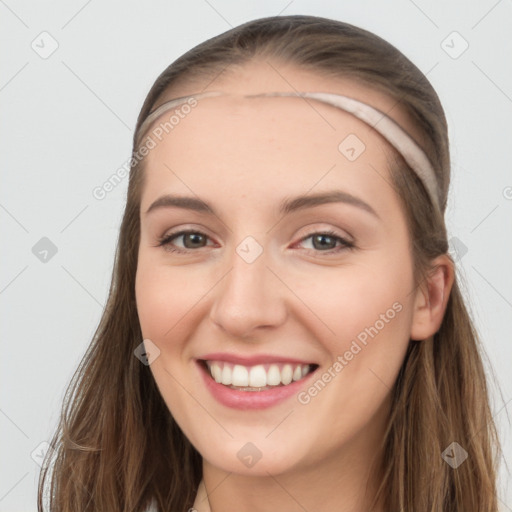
x=360, y=301
x=368, y=312
x=165, y=296
x=167, y=304
x=156, y=303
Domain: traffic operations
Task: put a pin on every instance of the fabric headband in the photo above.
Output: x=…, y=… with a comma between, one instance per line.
x=379, y=121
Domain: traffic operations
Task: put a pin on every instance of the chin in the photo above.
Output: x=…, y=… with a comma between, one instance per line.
x=252, y=459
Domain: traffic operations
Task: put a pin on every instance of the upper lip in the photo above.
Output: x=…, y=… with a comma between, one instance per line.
x=251, y=360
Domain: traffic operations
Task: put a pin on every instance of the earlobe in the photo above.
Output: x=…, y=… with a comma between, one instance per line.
x=431, y=298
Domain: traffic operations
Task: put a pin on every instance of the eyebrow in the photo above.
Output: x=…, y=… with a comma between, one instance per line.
x=286, y=207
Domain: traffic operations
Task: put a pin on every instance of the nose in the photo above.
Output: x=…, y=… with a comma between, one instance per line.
x=248, y=298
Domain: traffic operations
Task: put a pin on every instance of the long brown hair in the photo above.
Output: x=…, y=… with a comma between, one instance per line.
x=117, y=446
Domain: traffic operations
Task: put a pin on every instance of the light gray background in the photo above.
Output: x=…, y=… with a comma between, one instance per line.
x=67, y=123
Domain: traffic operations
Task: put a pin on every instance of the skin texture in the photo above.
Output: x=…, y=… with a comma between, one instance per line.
x=243, y=157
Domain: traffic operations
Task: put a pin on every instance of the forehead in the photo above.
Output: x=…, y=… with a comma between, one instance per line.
x=260, y=75
x=255, y=141
x=249, y=130
x=256, y=151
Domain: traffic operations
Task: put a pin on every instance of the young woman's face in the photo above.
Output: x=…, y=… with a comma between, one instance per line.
x=265, y=284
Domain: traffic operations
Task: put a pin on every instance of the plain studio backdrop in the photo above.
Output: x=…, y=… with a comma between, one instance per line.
x=73, y=78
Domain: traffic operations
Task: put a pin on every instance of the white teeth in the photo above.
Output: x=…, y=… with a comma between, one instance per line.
x=240, y=375
x=259, y=376
x=273, y=375
x=286, y=374
x=216, y=373
x=226, y=375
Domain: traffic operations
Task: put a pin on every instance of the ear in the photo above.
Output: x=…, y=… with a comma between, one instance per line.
x=431, y=298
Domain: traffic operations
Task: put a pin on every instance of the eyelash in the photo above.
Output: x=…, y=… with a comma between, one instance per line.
x=165, y=241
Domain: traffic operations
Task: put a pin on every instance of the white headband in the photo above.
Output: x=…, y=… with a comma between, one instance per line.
x=379, y=121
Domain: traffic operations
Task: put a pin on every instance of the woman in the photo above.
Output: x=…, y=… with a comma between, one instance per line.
x=284, y=329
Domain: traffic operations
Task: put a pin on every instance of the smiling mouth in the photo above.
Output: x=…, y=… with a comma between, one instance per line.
x=259, y=377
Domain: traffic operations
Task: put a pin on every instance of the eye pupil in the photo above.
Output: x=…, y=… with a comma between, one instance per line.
x=321, y=239
x=196, y=238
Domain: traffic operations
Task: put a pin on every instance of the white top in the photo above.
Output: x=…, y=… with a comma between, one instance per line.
x=201, y=503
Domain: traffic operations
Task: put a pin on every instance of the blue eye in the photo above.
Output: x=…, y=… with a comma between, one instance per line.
x=322, y=242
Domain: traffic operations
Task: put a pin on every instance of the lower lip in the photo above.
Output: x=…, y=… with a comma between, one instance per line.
x=251, y=399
